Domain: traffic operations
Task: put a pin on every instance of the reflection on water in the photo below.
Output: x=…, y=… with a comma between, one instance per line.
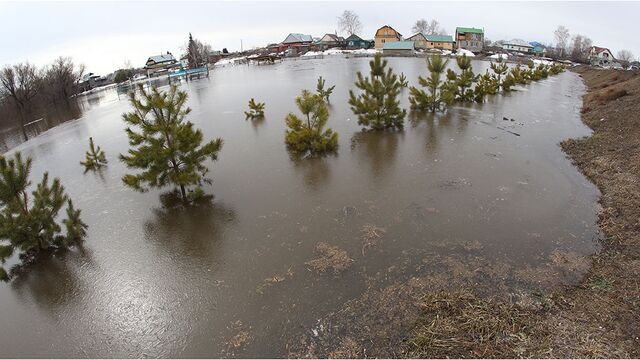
x=458, y=195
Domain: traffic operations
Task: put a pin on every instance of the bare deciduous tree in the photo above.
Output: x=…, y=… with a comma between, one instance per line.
x=428, y=27
x=580, y=47
x=60, y=80
x=562, y=38
x=349, y=23
x=21, y=83
x=625, y=57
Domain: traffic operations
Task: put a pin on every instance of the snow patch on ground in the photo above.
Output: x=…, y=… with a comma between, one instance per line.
x=461, y=52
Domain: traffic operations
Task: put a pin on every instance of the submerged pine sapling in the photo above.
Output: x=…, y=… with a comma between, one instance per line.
x=308, y=134
x=31, y=225
x=94, y=158
x=256, y=110
x=378, y=106
x=500, y=68
x=403, y=80
x=432, y=100
x=465, y=80
x=164, y=146
x=324, y=93
x=486, y=85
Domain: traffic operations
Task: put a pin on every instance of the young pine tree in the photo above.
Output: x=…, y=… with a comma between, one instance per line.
x=465, y=80
x=500, y=68
x=308, y=134
x=164, y=146
x=31, y=226
x=95, y=157
x=256, y=110
x=378, y=106
x=324, y=93
x=436, y=95
x=486, y=85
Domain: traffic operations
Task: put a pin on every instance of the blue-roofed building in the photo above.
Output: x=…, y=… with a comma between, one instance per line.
x=398, y=48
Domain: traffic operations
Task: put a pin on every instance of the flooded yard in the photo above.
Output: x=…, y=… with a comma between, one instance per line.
x=482, y=193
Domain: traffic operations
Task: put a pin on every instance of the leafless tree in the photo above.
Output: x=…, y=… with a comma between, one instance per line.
x=61, y=79
x=349, y=23
x=562, y=39
x=625, y=57
x=21, y=83
x=580, y=47
x=428, y=27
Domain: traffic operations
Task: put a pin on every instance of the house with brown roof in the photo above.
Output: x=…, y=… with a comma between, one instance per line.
x=386, y=34
x=600, y=56
x=329, y=41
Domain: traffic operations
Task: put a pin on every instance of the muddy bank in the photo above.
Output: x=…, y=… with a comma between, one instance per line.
x=476, y=308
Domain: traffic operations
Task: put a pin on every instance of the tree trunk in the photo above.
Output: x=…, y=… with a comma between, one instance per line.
x=21, y=116
x=184, y=193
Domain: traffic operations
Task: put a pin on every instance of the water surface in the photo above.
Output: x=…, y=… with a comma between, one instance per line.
x=165, y=282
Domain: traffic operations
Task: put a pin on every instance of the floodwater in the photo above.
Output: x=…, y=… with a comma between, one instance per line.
x=229, y=279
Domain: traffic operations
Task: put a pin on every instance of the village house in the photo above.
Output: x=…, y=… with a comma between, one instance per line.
x=441, y=42
x=385, y=35
x=329, y=41
x=600, y=56
x=419, y=41
x=161, y=61
x=471, y=39
x=356, y=42
x=518, y=45
x=398, y=48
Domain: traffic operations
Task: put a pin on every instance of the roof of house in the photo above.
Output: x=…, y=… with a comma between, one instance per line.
x=535, y=43
x=161, y=58
x=440, y=38
x=599, y=49
x=296, y=37
x=384, y=26
x=416, y=35
x=333, y=37
x=398, y=45
x=354, y=37
x=469, y=30
x=518, y=42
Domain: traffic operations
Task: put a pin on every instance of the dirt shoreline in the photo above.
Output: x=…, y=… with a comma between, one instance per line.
x=423, y=317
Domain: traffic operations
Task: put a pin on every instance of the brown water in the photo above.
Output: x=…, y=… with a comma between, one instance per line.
x=157, y=282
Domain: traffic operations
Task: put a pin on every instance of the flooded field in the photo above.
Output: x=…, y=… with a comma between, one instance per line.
x=287, y=242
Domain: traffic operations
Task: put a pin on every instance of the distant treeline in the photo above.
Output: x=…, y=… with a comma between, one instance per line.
x=29, y=93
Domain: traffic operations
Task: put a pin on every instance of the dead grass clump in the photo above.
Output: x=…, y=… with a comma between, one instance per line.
x=458, y=324
x=348, y=349
x=611, y=94
x=371, y=236
x=331, y=257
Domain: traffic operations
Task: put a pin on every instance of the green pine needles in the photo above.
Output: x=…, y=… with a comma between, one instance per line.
x=95, y=157
x=164, y=146
x=324, y=93
x=256, y=110
x=378, y=106
x=403, y=80
x=307, y=135
x=31, y=226
x=436, y=95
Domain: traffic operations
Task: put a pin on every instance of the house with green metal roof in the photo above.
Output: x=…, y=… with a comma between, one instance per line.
x=398, y=48
x=442, y=42
x=471, y=39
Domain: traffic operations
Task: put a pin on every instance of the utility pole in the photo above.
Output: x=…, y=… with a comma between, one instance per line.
x=241, y=48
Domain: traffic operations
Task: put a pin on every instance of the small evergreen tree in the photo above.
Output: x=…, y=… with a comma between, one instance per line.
x=431, y=101
x=166, y=147
x=324, y=93
x=256, y=110
x=308, y=134
x=519, y=75
x=486, y=85
x=31, y=226
x=95, y=157
x=377, y=106
x=403, y=80
x=500, y=68
x=465, y=80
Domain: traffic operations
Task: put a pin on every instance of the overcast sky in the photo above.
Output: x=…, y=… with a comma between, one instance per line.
x=103, y=35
